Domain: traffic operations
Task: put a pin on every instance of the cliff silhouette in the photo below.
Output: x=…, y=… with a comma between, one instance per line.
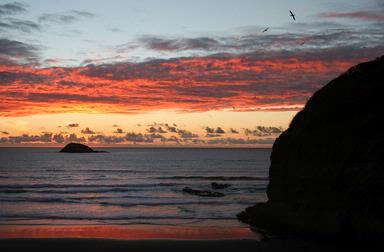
x=327, y=168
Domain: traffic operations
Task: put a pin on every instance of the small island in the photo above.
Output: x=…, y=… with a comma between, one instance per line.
x=79, y=148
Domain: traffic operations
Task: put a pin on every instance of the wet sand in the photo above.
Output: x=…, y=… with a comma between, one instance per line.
x=76, y=244
x=159, y=238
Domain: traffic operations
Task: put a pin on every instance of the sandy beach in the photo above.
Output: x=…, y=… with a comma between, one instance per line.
x=164, y=238
x=157, y=238
x=272, y=245
x=125, y=245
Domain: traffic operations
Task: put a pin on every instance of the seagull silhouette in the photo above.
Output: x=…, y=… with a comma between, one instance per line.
x=266, y=29
x=292, y=15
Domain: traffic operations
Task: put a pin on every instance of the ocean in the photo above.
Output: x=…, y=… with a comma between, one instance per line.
x=129, y=186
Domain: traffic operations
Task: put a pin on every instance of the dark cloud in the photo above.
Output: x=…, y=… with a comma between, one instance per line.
x=88, y=131
x=15, y=24
x=212, y=135
x=17, y=51
x=162, y=128
x=11, y=8
x=263, y=131
x=20, y=25
x=153, y=129
x=54, y=97
x=226, y=72
x=161, y=44
x=185, y=137
x=118, y=131
x=380, y=4
x=45, y=137
x=67, y=83
x=240, y=141
x=172, y=139
x=67, y=17
x=74, y=138
x=322, y=34
x=73, y=125
x=209, y=130
x=26, y=138
x=129, y=137
x=58, y=138
x=170, y=128
x=138, y=138
x=233, y=131
x=8, y=78
x=197, y=141
x=252, y=132
x=185, y=134
x=85, y=14
x=57, y=18
x=218, y=130
x=4, y=132
x=154, y=136
x=106, y=139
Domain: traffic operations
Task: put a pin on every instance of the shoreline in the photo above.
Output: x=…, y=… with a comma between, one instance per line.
x=115, y=245
x=164, y=238
x=170, y=245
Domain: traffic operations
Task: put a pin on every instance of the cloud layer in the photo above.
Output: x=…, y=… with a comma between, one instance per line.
x=363, y=15
x=237, y=82
x=157, y=134
x=251, y=71
x=11, y=8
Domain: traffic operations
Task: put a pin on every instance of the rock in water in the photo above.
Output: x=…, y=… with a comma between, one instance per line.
x=77, y=148
x=217, y=186
x=202, y=193
x=327, y=168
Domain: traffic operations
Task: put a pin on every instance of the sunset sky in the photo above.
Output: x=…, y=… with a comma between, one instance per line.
x=172, y=73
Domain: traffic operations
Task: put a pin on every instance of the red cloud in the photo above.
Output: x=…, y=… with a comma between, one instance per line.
x=364, y=15
x=252, y=81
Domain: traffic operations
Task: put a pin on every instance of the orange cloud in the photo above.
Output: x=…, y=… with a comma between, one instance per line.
x=241, y=82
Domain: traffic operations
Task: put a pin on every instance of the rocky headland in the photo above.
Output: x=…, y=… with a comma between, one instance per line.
x=327, y=168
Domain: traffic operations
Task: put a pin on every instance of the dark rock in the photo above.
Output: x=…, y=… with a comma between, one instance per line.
x=217, y=186
x=202, y=193
x=78, y=148
x=327, y=168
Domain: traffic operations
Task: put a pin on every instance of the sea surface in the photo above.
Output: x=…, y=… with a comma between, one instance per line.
x=129, y=186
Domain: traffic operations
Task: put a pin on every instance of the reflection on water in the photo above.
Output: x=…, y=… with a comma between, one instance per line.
x=128, y=187
x=133, y=232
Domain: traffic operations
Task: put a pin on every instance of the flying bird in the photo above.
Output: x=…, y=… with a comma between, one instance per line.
x=292, y=15
x=266, y=29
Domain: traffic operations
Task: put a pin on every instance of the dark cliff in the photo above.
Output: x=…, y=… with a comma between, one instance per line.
x=327, y=172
